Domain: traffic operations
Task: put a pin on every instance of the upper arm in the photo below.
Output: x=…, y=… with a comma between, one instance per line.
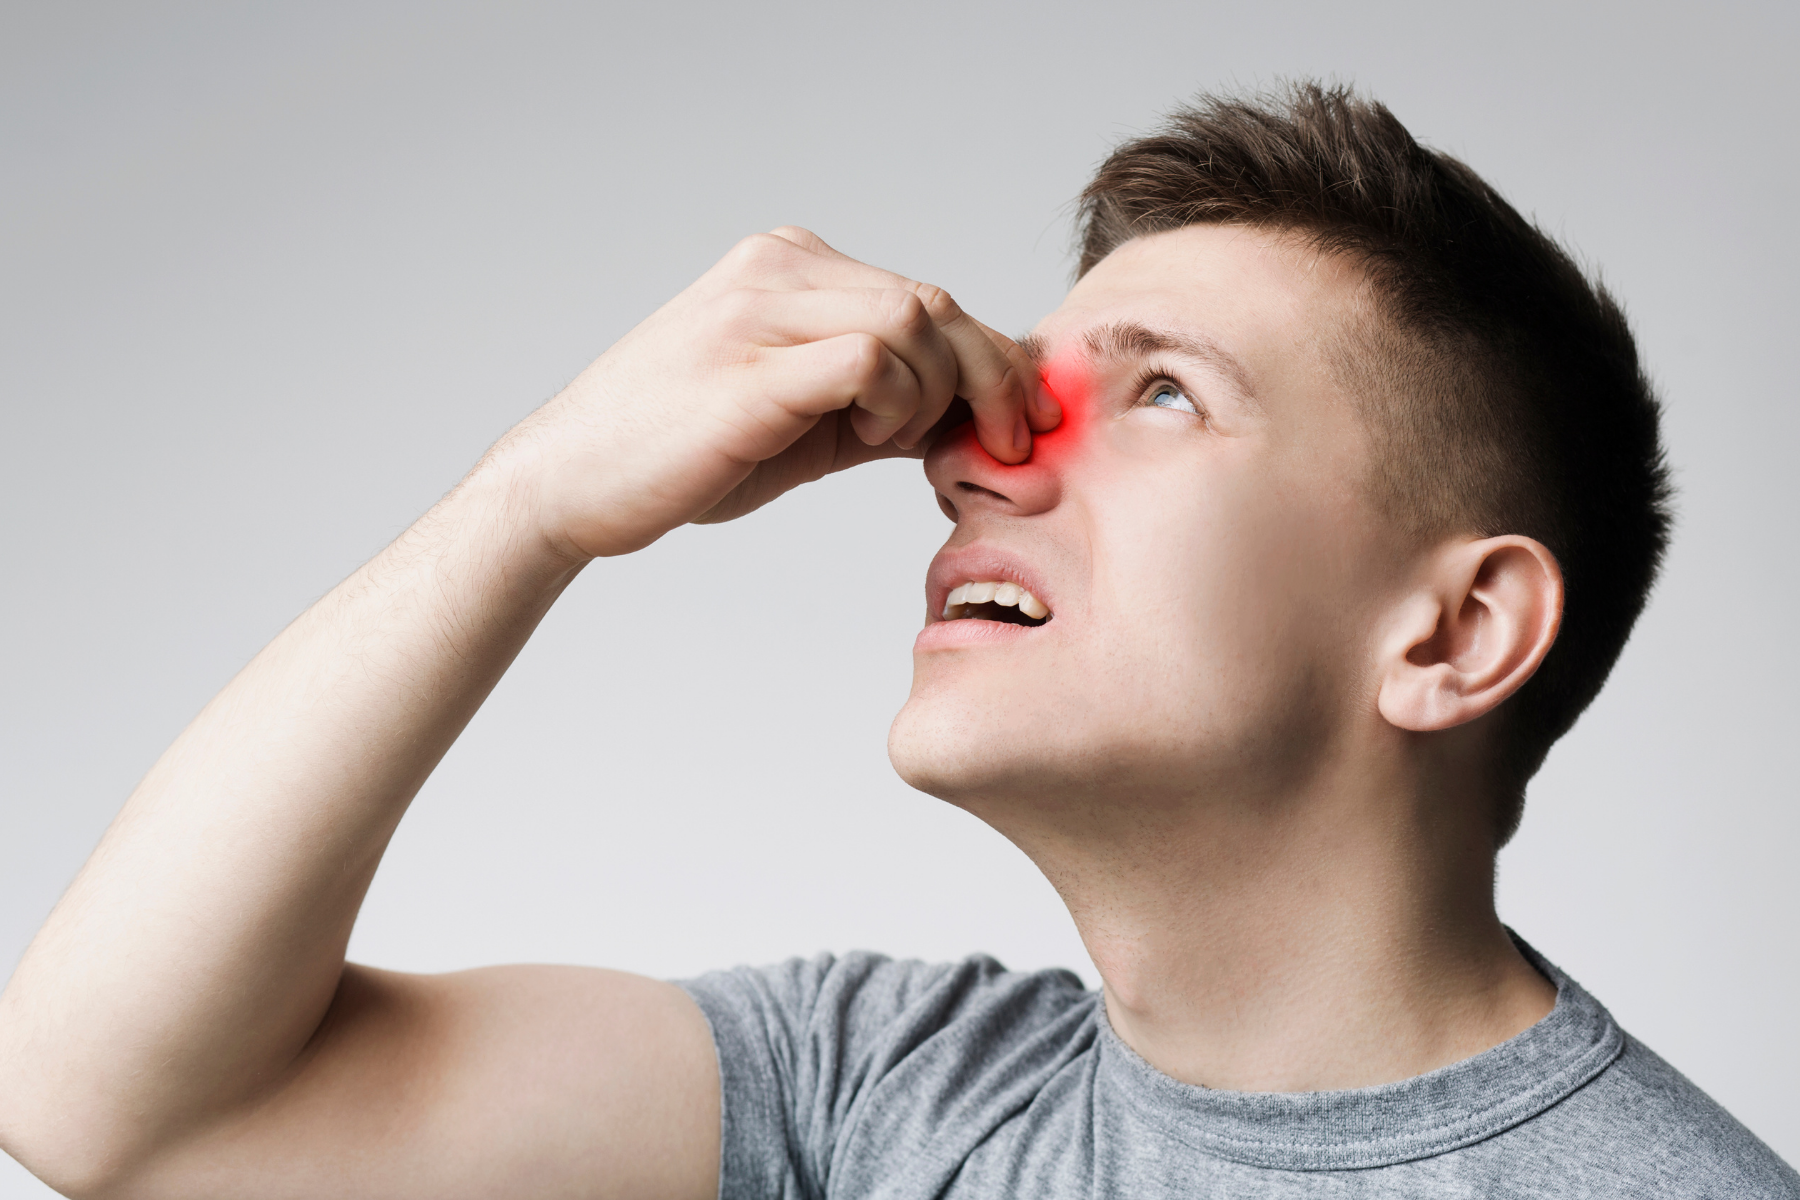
x=517, y=1081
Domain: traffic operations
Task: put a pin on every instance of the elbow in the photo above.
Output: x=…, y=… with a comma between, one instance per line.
x=75, y=1153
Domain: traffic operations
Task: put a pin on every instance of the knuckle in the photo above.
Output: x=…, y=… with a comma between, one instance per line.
x=867, y=358
x=908, y=314
x=938, y=302
x=792, y=234
x=1009, y=385
x=759, y=249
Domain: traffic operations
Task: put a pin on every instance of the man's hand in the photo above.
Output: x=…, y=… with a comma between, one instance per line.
x=783, y=363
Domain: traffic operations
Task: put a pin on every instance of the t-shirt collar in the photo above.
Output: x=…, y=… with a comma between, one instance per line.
x=1430, y=1114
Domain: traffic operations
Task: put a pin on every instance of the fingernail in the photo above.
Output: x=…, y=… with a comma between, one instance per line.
x=1048, y=410
x=1022, y=435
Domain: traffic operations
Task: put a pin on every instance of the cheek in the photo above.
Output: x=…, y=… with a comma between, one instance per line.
x=1217, y=589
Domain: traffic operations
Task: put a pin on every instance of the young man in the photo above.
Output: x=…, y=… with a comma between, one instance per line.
x=1283, y=550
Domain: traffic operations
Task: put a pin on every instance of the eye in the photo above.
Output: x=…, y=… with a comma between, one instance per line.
x=1166, y=395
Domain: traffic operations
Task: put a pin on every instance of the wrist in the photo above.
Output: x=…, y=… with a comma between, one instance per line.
x=497, y=518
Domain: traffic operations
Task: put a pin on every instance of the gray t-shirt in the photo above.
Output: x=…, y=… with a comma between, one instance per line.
x=864, y=1077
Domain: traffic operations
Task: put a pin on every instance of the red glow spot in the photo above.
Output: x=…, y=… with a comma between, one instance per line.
x=1070, y=379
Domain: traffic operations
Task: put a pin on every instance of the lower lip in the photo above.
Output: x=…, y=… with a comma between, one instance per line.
x=967, y=632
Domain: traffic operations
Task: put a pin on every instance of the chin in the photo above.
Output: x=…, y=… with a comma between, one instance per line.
x=993, y=750
x=1018, y=756
x=962, y=751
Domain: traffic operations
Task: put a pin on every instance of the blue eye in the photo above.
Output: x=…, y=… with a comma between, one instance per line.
x=1167, y=395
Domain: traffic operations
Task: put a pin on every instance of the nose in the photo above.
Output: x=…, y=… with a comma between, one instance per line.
x=969, y=480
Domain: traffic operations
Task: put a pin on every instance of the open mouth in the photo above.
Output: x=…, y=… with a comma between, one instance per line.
x=994, y=601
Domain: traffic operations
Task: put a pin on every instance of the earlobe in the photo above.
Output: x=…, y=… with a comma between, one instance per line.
x=1481, y=620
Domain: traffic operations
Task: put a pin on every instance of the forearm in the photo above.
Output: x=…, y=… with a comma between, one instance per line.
x=196, y=953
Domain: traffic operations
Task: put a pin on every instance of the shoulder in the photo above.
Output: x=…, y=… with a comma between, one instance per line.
x=839, y=1064
x=1642, y=1128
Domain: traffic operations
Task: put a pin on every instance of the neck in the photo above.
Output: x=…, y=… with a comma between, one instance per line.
x=1335, y=939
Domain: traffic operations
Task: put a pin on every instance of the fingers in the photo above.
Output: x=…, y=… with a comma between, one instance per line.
x=998, y=385
x=993, y=373
x=852, y=370
x=916, y=374
x=1041, y=408
x=827, y=447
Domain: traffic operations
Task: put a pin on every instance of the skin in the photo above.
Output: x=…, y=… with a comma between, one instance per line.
x=1248, y=747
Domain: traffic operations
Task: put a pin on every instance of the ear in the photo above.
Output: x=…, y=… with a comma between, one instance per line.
x=1480, y=621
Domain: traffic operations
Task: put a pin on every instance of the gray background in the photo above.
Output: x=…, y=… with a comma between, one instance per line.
x=273, y=279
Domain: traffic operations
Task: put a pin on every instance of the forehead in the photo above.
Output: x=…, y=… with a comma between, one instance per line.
x=1267, y=298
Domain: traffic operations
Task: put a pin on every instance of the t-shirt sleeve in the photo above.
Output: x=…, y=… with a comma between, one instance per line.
x=802, y=1043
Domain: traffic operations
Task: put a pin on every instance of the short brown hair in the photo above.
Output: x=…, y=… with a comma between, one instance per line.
x=1501, y=384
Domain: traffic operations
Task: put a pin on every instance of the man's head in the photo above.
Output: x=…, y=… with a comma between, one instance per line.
x=1344, y=430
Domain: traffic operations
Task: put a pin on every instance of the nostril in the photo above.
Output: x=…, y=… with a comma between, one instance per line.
x=977, y=489
x=943, y=502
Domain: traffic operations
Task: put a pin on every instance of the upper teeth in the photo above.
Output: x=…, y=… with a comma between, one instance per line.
x=999, y=593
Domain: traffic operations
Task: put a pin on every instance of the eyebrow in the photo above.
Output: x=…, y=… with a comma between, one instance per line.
x=1132, y=339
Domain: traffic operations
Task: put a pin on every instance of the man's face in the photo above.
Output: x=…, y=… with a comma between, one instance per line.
x=1197, y=528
